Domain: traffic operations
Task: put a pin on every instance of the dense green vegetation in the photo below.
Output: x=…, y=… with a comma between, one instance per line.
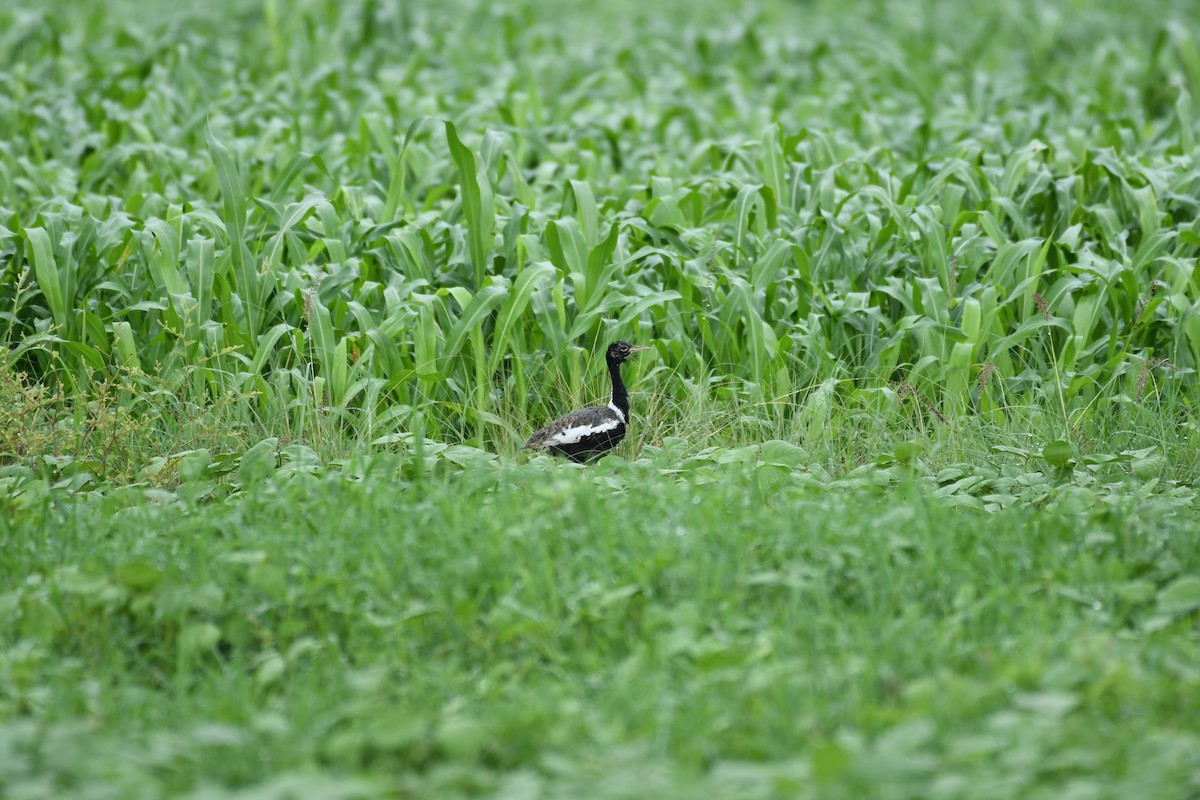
x=560, y=633
x=908, y=509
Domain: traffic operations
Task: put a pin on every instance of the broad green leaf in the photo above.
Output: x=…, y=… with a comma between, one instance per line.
x=266, y=346
x=125, y=345
x=258, y=463
x=234, y=202
x=476, y=192
x=514, y=309
x=199, y=638
x=477, y=310
x=583, y=205
x=1182, y=596
x=138, y=575
x=45, y=267
x=1058, y=453
x=398, y=170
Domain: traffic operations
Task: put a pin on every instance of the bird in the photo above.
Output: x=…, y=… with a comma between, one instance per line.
x=590, y=432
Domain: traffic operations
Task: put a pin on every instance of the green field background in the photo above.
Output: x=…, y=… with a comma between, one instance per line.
x=908, y=505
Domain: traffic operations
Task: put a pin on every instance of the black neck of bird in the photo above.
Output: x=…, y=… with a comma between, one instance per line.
x=620, y=396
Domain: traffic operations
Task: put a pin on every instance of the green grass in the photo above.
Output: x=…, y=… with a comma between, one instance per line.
x=908, y=508
x=538, y=628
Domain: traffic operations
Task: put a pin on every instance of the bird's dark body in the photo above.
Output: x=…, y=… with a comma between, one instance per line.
x=590, y=432
x=591, y=444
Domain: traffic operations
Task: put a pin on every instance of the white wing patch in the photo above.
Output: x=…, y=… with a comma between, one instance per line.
x=573, y=435
x=613, y=408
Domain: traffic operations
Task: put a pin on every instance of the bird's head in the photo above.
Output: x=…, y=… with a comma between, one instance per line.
x=619, y=352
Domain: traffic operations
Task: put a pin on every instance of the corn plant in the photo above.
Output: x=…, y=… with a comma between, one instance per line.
x=377, y=254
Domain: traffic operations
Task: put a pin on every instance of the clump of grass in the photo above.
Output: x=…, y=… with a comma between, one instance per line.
x=1144, y=373
x=564, y=618
x=904, y=391
x=53, y=433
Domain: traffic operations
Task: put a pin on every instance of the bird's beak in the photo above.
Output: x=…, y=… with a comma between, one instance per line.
x=637, y=347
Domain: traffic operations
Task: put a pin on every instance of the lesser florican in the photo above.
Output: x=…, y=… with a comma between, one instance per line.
x=591, y=432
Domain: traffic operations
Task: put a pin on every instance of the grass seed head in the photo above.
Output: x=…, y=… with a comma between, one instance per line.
x=1144, y=373
x=1042, y=307
x=1145, y=301
x=984, y=375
